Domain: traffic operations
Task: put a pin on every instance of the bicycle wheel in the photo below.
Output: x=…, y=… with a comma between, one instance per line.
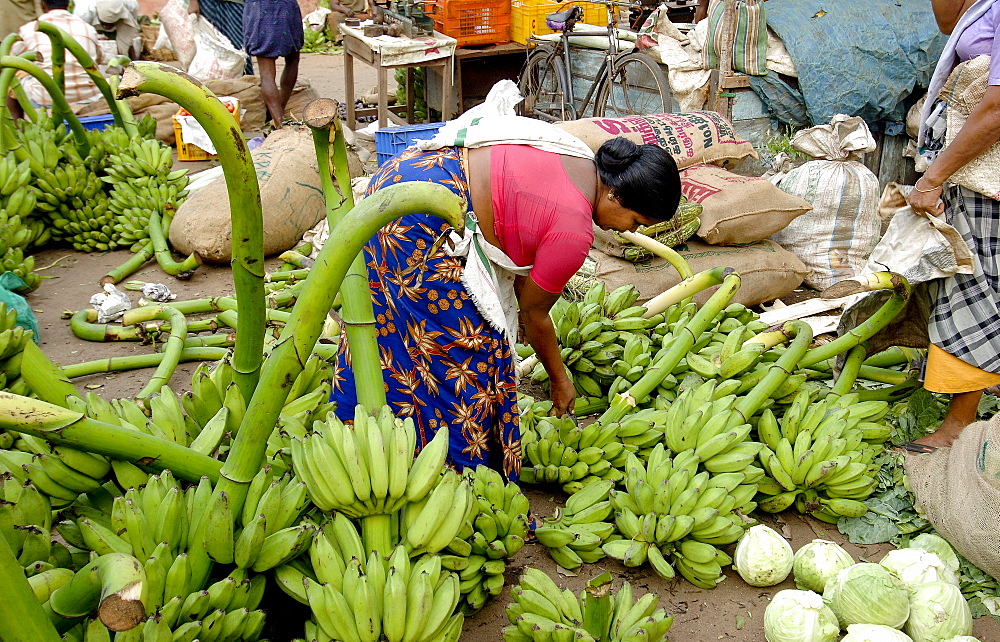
x=635, y=86
x=541, y=85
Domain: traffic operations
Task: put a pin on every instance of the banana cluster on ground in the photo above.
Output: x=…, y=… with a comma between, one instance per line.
x=12, y=341
x=496, y=532
x=541, y=611
x=17, y=229
x=816, y=456
x=672, y=515
x=560, y=451
x=575, y=533
x=25, y=522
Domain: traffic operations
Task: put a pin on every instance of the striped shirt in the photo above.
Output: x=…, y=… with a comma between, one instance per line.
x=79, y=86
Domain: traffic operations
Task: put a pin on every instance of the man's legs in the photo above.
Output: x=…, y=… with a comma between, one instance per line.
x=269, y=90
x=288, y=77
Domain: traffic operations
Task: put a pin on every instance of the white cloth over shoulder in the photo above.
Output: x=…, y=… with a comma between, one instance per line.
x=489, y=277
x=494, y=123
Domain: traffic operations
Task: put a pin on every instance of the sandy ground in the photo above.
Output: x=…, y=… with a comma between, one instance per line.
x=732, y=611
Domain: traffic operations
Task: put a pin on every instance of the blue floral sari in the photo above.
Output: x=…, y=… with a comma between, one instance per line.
x=443, y=363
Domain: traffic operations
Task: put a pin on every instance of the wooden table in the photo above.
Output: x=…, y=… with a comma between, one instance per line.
x=435, y=51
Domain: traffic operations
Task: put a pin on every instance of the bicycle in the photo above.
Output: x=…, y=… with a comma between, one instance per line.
x=627, y=83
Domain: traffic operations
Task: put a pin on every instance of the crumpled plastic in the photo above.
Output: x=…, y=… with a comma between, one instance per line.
x=110, y=304
x=157, y=292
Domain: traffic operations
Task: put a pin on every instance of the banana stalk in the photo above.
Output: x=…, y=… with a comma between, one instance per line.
x=218, y=340
x=356, y=312
x=22, y=616
x=111, y=585
x=138, y=361
x=158, y=237
x=244, y=201
x=892, y=393
x=67, y=42
x=801, y=336
x=59, y=103
x=58, y=60
x=6, y=82
x=883, y=375
x=298, y=338
x=130, y=266
x=171, y=351
x=899, y=294
x=62, y=426
x=684, y=291
x=664, y=252
x=679, y=346
x=849, y=373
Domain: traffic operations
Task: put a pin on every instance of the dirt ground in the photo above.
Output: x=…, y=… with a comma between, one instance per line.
x=732, y=611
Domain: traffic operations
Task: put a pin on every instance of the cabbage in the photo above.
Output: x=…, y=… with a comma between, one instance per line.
x=817, y=562
x=939, y=612
x=938, y=545
x=915, y=566
x=762, y=557
x=963, y=638
x=867, y=594
x=799, y=616
x=874, y=633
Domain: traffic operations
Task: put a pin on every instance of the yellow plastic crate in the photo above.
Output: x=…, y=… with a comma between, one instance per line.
x=190, y=152
x=527, y=17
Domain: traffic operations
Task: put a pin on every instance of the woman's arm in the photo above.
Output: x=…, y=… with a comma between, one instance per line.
x=193, y=7
x=979, y=132
x=947, y=12
x=535, y=304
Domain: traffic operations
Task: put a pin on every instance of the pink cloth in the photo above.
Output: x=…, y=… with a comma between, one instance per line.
x=539, y=216
x=78, y=85
x=980, y=38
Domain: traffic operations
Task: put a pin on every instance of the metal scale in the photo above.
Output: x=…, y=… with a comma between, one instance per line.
x=408, y=15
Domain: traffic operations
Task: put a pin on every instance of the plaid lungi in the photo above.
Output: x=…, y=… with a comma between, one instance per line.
x=965, y=308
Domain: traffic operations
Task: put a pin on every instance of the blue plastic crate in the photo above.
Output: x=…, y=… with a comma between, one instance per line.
x=389, y=141
x=97, y=122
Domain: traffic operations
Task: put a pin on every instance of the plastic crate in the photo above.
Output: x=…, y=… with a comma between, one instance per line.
x=97, y=122
x=389, y=141
x=473, y=22
x=527, y=17
x=189, y=152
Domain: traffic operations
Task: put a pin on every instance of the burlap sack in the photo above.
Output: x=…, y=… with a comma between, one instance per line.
x=738, y=209
x=768, y=271
x=290, y=194
x=691, y=138
x=958, y=491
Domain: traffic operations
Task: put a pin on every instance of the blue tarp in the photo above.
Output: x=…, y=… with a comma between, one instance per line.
x=855, y=57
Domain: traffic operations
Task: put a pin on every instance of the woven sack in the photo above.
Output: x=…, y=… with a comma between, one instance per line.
x=967, y=87
x=768, y=271
x=749, y=36
x=738, y=209
x=958, y=491
x=691, y=137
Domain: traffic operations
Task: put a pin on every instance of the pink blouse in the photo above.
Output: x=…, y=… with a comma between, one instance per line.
x=539, y=215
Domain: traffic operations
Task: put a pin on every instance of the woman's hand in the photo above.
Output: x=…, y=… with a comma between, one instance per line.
x=193, y=7
x=926, y=199
x=535, y=304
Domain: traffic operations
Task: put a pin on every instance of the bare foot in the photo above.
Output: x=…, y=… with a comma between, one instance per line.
x=961, y=413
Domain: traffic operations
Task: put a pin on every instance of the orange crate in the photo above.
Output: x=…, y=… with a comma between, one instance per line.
x=527, y=17
x=189, y=152
x=473, y=22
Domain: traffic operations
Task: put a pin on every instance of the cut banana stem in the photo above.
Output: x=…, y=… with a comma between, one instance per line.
x=527, y=365
x=158, y=229
x=62, y=426
x=684, y=291
x=131, y=266
x=849, y=373
x=883, y=375
x=801, y=334
x=659, y=249
x=136, y=362
x=111, y=585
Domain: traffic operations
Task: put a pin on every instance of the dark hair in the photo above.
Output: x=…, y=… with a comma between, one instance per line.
x=643, y=177
x=56, y=4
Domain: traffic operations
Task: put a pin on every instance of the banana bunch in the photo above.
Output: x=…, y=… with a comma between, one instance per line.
x=272, y=506
x=17, y=203
x=12, y=341
x=639, y=432
x=541, y=611
x=358, y=597
x=368, y=468
x=575, y=533
x=682, y=226
x=494, y=533
x=700, y=421
x=572, y=455
x=60, y=472
x=670, y=511
x=25, y=520
x=816, y=457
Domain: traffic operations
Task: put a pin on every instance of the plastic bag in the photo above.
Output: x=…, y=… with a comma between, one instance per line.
x=176, y=21
x=215, y=58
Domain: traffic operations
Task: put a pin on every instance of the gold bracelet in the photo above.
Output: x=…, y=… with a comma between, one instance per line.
x=924, y=191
